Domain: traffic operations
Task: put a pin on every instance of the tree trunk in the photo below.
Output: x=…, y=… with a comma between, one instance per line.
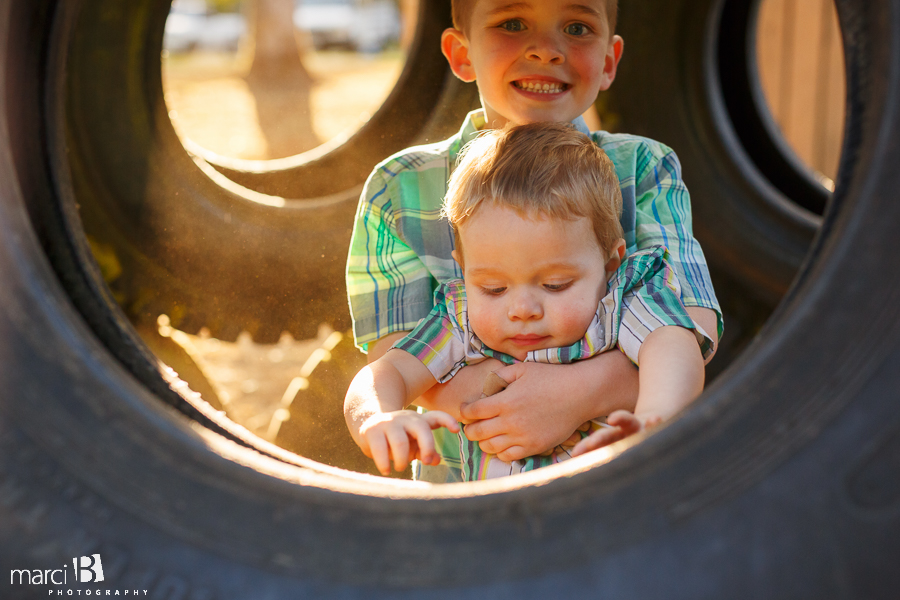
x=278, y=78
x=409, y=17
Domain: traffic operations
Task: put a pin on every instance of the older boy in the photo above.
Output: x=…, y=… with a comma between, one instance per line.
x=536, y=60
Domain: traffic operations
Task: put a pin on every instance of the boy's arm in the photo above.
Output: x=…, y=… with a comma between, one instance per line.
x=520, y=421
x=389, y=287
x=465, y=386
x=663, y=217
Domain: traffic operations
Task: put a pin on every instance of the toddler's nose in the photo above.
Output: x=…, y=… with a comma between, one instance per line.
x=525, y=307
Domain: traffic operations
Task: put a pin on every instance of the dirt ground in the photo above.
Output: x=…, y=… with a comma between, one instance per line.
x=211, y=103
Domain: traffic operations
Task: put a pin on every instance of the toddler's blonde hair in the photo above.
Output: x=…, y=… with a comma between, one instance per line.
x=547, y=169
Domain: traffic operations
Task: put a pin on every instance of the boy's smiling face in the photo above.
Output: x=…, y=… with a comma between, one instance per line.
x=532, y=282
x=536, y=60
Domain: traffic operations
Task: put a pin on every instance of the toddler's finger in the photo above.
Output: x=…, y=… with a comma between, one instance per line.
x=415, y=453
x=378, y=451
x=619, y=416
x=399, y=443
x=423, y=440
x=625, y=420
x=599, y=439
x=653, y=421
x=572, y=440
x=437, y=418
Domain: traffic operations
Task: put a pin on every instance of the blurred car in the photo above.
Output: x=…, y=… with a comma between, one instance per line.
x=191, y=26
x=365, y=25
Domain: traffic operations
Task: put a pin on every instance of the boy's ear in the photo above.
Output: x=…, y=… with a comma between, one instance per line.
x=616, y=256
x=457, y=256
x=455, y=47
x=611, y=62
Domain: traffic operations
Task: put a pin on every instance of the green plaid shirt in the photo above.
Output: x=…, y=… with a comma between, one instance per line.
x=400, y=250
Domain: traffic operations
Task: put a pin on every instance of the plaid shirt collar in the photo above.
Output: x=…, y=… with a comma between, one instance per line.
x=474, y=124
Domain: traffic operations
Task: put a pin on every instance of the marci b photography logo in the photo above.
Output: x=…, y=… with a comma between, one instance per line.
x=90, y=570
x=86, y=569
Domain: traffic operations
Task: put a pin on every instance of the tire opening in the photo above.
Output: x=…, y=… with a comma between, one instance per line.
x=284, y=412
x=800, y=67
x=276, y=101
x=289, y=410
x=780, y=65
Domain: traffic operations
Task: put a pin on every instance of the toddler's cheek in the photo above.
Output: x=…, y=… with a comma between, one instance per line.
x=484, y=325
x=572, y=324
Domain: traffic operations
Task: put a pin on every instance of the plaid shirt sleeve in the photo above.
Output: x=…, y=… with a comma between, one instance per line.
x=440, y=341
x=388, y=285
x=647, y=292
x=643, y=295
x=657, y=212
x=663, y=217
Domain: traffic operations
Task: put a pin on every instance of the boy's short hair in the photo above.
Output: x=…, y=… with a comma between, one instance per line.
x=550, y=169
x=462, y=9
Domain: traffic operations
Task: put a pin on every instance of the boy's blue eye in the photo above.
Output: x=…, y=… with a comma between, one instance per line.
x=512, y=25
x=577, y=29
x=557, y=287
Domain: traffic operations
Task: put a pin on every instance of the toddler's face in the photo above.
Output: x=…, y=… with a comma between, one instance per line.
x=538, y=60
x=530, y=283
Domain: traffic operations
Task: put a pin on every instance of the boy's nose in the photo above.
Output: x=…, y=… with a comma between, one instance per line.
x=525, y=308
x=546, y=49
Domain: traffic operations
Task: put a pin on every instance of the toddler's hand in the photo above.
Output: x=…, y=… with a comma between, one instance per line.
x=403, y=435
x=621, y=425
x=572, y=440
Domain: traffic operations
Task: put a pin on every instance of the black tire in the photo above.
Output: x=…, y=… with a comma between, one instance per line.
x=781, y=483
x=266, y=255
x=689, y=80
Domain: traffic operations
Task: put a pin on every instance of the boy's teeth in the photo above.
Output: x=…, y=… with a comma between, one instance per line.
x=541, y=87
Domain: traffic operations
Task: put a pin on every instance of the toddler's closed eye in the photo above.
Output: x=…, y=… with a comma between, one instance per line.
x=492, y=291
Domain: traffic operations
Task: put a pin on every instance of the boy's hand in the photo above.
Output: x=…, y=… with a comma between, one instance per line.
x=621, y=425
x=466, y=386
x=544, y=404
x=402, y=435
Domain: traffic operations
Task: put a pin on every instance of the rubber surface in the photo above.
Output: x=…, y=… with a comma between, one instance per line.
x=688, y=80
x=780, y=483
x=263, y=251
